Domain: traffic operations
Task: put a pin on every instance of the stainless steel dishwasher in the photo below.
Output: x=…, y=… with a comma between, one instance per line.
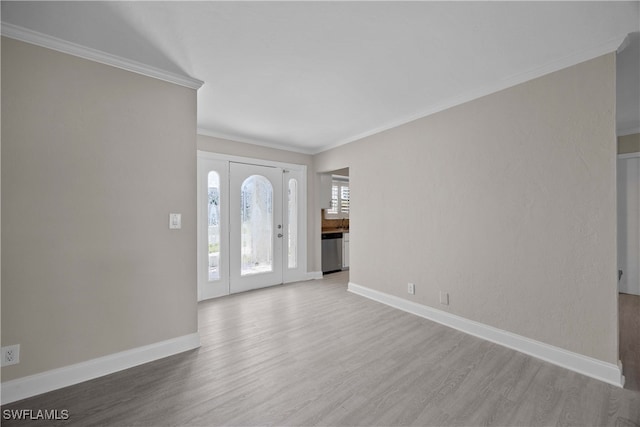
x=331, y=252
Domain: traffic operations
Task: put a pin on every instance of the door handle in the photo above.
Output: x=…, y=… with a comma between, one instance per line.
x=279, y=234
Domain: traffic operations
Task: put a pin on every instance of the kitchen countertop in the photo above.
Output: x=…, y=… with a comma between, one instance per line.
x=335, y=230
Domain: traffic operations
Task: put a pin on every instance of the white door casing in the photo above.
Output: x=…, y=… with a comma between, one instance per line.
x=628, y=180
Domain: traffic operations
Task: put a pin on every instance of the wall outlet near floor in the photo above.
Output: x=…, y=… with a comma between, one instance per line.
x=11, y=355
x=444, y=298
x=411, y=288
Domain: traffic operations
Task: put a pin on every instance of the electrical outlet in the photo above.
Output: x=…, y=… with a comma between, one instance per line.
x=444, y=298
x=11, y=355
x=411, y=288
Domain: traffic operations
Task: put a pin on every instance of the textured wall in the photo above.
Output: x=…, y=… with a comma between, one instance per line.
x=506, y=202
x=94, y=158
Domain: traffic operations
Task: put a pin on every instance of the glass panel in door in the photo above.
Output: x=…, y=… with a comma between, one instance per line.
x=256, y=226
x=256, y=222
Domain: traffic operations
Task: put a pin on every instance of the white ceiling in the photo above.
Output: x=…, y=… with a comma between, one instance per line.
x=307, y=76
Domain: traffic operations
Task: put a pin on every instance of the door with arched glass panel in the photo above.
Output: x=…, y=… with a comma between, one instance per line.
x=256, y=226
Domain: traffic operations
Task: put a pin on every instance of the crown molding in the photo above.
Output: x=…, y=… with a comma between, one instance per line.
x=228, y=137
x=44, y=40
x=610, y=46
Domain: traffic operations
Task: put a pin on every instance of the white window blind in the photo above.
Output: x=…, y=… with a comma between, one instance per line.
x=344, y=199
x=339, y=200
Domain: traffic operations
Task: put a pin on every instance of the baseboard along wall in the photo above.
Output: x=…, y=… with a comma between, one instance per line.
x=603, y=371
x=33, y=385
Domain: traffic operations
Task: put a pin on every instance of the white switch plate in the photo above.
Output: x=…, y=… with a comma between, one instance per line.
x=11, y=355
x=175, y=221
x=444, y=298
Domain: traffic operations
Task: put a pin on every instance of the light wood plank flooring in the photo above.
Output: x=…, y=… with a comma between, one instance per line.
x=629, y=317
x=313, y=354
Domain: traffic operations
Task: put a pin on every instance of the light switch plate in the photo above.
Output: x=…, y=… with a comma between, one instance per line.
x=175, y=221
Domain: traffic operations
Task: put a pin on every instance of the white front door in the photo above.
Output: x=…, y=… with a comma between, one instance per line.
x=256, y=226
x=251, y=224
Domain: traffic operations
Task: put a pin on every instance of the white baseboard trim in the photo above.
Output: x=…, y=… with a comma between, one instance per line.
x=607, y=372
x=314, y=275
x=32, y=385
x=304, y=276
x=622, y=378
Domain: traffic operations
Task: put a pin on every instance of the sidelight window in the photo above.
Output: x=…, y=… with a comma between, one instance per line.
x=292, y=216
x=213, y=225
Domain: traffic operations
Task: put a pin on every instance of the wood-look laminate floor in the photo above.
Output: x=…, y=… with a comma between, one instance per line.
x=629, y=318
x=313, y=354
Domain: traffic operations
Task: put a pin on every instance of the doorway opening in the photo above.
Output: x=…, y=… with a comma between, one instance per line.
x=335, y=212
x=628, y=208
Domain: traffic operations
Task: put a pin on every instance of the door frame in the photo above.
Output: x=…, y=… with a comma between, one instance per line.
x=621, y=228
x=296, y=171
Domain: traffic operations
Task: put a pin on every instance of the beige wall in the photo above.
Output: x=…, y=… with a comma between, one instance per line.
x=94, y=159
x=629, y=144
x=234, y=148
x=506, y=202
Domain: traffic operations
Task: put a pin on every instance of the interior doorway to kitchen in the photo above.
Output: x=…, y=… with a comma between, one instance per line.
x=335, y=199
